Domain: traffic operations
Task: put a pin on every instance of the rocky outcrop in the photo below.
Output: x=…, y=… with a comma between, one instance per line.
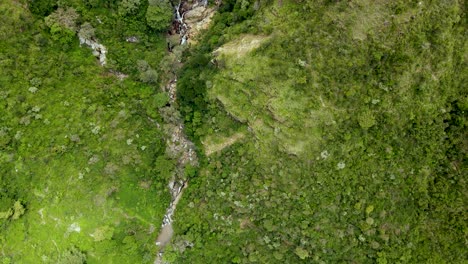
x=99, y=50
x=197, y=20
x=191, y=17
x=133, y=39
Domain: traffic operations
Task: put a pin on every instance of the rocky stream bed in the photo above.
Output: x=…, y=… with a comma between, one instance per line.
x=190, y=18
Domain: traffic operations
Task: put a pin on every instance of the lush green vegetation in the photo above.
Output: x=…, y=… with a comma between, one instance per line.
x=328, y=132
x=78, y=154
x=357, y=147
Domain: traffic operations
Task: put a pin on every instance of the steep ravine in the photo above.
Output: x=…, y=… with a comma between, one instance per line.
x=190, y=18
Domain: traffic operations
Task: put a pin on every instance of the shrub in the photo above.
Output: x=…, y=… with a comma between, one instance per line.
x=159, y=15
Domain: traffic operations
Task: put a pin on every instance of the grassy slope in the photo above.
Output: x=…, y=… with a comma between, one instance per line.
x=78, y=152
x=357, y=152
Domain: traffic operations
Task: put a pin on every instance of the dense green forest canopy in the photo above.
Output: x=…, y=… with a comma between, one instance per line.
x=78, y=149
x=327, y=131
x=353, y=123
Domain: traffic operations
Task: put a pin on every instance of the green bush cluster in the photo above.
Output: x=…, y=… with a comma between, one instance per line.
x=63, y=24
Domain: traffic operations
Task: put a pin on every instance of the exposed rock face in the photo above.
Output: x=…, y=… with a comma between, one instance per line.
x=196, y=14
x=198, y=19
x=190, y=19
x=133, y=39
x=99, y=50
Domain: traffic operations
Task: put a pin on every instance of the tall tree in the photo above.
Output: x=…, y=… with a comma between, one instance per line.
x=159, y=14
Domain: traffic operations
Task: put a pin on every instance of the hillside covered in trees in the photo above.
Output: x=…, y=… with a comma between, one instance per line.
x=323, y=131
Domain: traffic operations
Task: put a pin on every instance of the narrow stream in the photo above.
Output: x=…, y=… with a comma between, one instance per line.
x=178, y=145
